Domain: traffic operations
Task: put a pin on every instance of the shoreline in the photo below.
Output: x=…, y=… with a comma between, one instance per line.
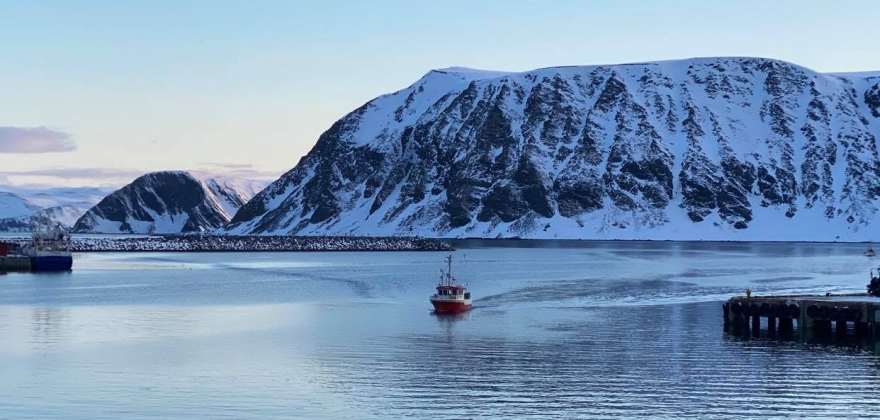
x=226, y=243
x=282, y=243
x=699, y=241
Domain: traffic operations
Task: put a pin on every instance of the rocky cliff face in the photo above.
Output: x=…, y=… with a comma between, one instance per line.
x=720, y=148
x=166, y=202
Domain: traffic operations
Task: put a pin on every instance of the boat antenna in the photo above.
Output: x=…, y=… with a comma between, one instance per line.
x=449, y=269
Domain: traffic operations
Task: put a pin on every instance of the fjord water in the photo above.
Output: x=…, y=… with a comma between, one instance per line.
x=558, y=330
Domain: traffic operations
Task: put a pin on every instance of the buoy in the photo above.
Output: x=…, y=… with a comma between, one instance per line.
x=813, y=311
x=844, y=314
x=823, y=312
x=794, y=310
x=774, y=311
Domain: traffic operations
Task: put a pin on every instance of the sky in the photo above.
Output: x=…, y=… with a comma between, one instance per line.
x=98, y=92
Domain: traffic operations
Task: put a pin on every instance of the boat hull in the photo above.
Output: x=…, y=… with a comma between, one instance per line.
x=450, y=306
x=52, y=263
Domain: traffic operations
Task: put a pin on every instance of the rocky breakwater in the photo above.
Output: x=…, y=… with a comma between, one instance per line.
x=229, y=243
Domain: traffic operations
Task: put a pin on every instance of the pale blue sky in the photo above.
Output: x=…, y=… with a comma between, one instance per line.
x=150, y=85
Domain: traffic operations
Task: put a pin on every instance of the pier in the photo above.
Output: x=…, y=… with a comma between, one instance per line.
x=804, y=315
x=14, y=263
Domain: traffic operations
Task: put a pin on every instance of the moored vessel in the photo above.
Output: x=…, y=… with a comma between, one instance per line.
x=49, y=249
x=450, y=297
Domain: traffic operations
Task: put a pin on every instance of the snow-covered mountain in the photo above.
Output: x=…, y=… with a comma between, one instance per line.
x=710, y=148
x=168, y=202
x=13, y=205
x=80, y=197
x=21, y=206
x=66, y=215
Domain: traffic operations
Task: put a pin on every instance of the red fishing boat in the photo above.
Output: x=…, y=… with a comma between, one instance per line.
x=450, y=297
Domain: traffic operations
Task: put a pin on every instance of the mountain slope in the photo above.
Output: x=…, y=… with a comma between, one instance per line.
x=81, y=197
x=21, y=206
x=167, y=202
x=715, y=148
x=13, y=205
x=65, y=215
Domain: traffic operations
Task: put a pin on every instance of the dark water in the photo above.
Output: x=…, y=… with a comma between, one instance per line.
x=561, y=330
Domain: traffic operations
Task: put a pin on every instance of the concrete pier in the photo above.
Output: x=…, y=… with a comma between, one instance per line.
x=14, y=263
x=804, y=315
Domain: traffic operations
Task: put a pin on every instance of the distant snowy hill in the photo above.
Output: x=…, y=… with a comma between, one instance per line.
x=12, y=205
x=710, y=148
x=20, y=206
x=168, y=202
x=81, y=197
x=65, y=215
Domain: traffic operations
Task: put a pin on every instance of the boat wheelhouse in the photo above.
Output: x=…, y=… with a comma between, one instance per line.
x=450, y=297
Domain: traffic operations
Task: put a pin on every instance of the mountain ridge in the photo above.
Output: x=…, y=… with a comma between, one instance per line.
x=66, y=215
x=20, y=207
x=163, y=202
x=706, y=148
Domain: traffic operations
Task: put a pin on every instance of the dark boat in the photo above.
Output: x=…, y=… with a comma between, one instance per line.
x=49, y=249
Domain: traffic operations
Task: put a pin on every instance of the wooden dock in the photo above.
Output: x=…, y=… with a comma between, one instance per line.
x=14, y=263
x=841, y=315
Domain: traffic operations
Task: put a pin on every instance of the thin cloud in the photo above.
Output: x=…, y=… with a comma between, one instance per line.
x=81, y=173
x=105, y=173
x=115, y=177
x=252, y=174
x=34, y=140
x=228, y=165
x=239, y=171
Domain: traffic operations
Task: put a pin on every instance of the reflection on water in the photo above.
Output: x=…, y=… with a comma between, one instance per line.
x=604, y=330
x=810, y=339
x=47, y=326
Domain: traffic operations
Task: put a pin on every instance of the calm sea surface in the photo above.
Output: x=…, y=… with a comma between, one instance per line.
x=558, y=330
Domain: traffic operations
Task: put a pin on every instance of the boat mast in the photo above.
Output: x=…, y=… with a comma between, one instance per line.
x=449, y=269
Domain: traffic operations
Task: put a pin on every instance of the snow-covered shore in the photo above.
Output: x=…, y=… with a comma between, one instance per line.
x=211, y=243
x=228, y=243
